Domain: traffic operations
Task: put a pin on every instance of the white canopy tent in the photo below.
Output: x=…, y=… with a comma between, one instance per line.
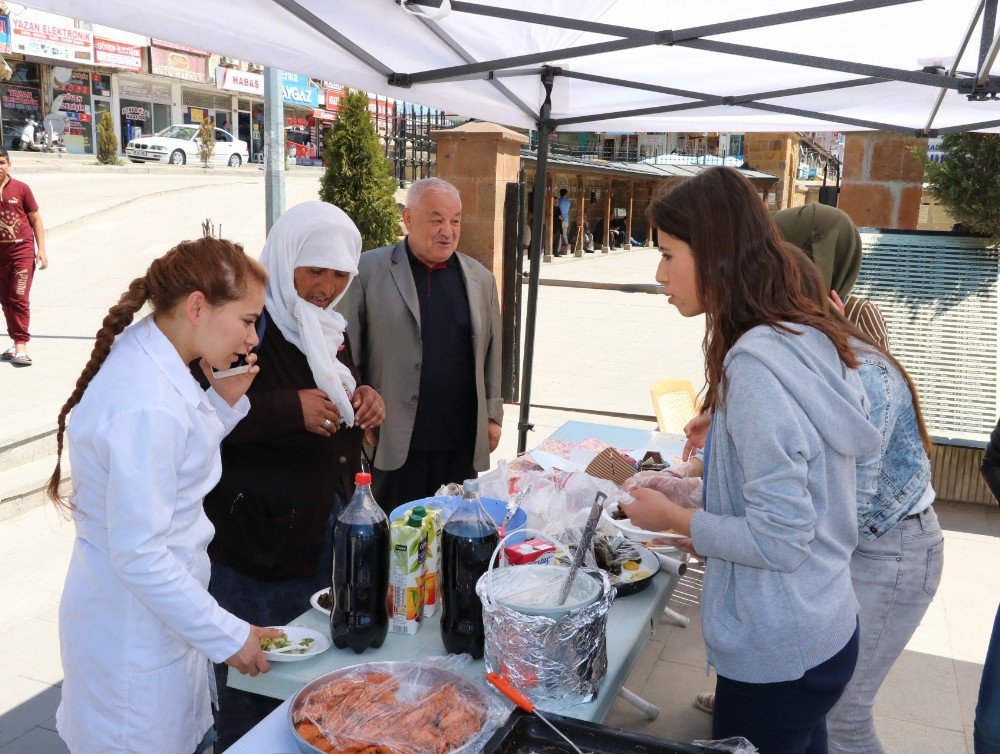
x=918, y=67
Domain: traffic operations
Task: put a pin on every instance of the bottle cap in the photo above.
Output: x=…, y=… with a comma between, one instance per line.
x=470, y=485
x=415, y=521
x=362, y=478
x=418, y=510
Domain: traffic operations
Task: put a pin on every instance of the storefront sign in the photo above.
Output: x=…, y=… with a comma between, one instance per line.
x=100, y=84
x=71, y=94
x=16, y=98
x=183, y=48
x=117, y=54
x=49, y=36
x=233, y=80
x=296, y=90
x=136, y=113
x=186, y=66
x=144, y=91
x=324, y=115
x=4, y=35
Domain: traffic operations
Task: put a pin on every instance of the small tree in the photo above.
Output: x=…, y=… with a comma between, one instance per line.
x=357, y=177
x=107, y=142
x=967, y=180
x=206, y=141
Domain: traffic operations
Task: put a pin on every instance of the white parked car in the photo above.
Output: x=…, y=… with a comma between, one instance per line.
x=179, y=145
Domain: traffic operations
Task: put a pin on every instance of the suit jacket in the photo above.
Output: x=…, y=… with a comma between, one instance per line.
x=383, y=325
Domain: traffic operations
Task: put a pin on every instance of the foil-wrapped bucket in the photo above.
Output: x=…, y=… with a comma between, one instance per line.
x=557, y=656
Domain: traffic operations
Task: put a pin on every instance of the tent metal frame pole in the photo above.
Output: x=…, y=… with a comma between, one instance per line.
x=707, y=30
x=635, y=38
x=455, y=47
x=989, y=26
x=970, y=29
x=829, y=64
x=315, y=22
x=535, y=257
x=716, y=98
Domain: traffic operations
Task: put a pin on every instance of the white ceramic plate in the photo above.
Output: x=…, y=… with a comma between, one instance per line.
x=314, y=601
x=296, y=634
x=635, y=533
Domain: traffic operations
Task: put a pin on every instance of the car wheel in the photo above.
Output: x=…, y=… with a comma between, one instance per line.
x=177, y=157
x=235, y=161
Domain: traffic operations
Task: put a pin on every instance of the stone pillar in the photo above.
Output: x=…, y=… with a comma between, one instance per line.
x=627, y=243
x=882, y=181
x=777, y=154
x=480, y=159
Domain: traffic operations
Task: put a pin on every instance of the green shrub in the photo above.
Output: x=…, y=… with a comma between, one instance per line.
x=967, y=180
x=206, y=141
x=357, y=177
x=107, y=142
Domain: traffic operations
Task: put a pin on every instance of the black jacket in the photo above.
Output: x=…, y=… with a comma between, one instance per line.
x=279, y=480
x=991, y=463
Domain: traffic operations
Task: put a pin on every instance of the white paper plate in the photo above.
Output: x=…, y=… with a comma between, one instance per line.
x=314, y=601
x=635, y=533
x=296, y=634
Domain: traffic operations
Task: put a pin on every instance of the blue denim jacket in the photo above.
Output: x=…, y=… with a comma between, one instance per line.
x=903, y=470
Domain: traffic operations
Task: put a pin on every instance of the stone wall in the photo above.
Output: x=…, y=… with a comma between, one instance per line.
x=777, y=154
x=480, y=159
x=882, y=180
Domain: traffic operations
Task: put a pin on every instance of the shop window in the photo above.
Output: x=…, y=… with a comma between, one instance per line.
x=161, y=117
x=136, y=120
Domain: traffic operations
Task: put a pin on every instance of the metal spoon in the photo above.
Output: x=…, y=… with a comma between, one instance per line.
x=583, y=545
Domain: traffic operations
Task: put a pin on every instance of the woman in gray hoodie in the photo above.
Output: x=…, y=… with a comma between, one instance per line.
x=789, y=432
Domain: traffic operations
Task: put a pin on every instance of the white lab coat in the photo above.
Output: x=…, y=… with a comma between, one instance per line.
x=137, y=626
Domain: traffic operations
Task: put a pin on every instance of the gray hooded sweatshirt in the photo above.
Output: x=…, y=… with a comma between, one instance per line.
x=780, y=518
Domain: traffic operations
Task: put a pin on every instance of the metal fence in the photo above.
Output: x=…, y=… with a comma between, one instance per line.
x=404, y=130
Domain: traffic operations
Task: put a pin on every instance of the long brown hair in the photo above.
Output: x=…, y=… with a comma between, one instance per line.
x=217, y=268
x=745, y=275
x=815, y=286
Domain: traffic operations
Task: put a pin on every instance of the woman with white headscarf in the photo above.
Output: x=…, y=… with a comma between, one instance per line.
x=289, y=466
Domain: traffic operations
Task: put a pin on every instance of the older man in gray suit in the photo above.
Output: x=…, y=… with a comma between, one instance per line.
x=424, y=326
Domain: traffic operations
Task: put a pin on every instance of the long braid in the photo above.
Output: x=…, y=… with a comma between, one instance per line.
x=118, y=318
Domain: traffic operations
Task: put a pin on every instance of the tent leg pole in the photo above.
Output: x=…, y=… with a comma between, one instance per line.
x=538, y=207
x=274, y=147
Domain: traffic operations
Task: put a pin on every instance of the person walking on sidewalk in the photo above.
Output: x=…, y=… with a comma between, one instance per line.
x=22, y=247
x=563, y=208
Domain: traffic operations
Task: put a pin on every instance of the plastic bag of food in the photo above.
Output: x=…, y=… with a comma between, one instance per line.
x=424, y=707
x=731, y=745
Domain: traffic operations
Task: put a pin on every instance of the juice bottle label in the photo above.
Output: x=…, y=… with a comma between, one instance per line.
x=432, y=579
x=406, y=582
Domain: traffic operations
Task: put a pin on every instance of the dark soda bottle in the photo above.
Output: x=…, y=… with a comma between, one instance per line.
x=358, y=618
x=467, y=544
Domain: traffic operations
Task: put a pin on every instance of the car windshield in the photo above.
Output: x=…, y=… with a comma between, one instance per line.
x=178, y=132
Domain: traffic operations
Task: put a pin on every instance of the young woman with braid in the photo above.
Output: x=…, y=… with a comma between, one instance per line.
x=138, y=629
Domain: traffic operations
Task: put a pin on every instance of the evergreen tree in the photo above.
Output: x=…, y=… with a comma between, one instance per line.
x=967, y=180
x=107, y=142
x=357, y=177
x=206, y=141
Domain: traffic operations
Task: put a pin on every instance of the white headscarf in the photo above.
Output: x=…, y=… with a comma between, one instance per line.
x=313, y=234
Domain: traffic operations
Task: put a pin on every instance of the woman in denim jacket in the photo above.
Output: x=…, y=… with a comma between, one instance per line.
x=896, y=567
